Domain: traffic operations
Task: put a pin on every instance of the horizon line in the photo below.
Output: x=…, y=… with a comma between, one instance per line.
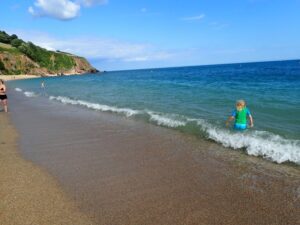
x=213, y=64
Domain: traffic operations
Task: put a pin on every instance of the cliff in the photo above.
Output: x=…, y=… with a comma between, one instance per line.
x=19, y=57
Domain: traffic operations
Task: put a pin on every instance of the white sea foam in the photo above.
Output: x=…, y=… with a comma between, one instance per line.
x=26, y=93
x=165, y=120
x=257, y=143
x=105, y=108
x=18, y=89
x=29, y=94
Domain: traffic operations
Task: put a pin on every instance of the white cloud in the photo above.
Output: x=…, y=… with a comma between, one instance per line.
x=92, y=2
x=99, y=48
x=193, y=18
x=31, y=10
x=107, y=53
x=61, y=9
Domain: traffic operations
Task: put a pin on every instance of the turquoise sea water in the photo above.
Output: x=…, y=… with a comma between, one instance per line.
x=196, y=100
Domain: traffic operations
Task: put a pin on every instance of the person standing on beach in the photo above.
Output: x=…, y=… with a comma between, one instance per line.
x=239, y=115
x=3, y=96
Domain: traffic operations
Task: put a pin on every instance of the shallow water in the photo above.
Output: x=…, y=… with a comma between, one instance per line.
x=122, y=171
x=195, y=100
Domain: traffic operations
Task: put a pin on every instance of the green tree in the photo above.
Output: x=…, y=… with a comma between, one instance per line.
x=16, y=42
x=4, y=37
x=2, y=67
x=24, y=48
x=13, y=37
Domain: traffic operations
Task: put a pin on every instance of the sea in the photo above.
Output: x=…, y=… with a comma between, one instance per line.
x=195, y=100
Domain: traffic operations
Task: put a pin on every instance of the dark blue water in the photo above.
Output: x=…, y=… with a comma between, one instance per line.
x=196, y=100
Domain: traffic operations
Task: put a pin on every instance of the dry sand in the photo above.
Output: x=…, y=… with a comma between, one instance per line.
x=17, y=77
x=27, y=76
x=29, y=195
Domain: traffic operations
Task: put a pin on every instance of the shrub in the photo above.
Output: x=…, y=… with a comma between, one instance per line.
x=4, y=37
x=2, y=67
x=13, y=37
x=16, y=42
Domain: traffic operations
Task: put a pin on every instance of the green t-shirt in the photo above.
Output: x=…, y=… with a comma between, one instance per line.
x=241, y=116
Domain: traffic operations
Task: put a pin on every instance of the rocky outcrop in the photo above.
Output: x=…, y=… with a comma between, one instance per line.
x=83, y=66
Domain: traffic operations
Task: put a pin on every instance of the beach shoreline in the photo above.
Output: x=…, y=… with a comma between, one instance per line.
x=30, y=76
x=18, y=77
x=29, y=195
x=123, y=171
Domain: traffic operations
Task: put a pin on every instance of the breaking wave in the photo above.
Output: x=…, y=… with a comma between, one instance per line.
x=29, y=94
x=258, y=143
x=26, y=93
x=105, y=108
x=18, y=89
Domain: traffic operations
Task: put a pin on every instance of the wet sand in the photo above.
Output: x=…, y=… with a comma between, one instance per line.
x=121, y=171
x=29, y=195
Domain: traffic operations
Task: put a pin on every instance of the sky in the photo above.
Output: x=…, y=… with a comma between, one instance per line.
x=135, y=34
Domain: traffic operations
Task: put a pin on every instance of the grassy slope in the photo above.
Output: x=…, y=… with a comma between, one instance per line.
x=54, y=62
x=6, y=46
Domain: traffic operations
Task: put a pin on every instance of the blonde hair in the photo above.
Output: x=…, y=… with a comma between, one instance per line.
x=240, y=104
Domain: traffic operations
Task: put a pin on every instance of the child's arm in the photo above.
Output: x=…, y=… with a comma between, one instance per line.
x=230, y=118
x=251, y=121
x=250, y=118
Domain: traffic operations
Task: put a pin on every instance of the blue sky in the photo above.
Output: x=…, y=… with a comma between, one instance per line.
x=118, y=34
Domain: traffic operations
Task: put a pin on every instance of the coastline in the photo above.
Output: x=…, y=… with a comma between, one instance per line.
x=126, y=172
x=28, y=194
x=18, y=77
x=30, y=76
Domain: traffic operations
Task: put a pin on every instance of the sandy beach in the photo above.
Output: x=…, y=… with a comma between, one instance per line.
x=28, y=194
x=17, y=77
x=28, y=76
x=121, y=171
x=149, y=112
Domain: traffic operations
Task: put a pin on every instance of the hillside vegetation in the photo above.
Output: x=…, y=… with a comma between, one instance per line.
x=20, y=57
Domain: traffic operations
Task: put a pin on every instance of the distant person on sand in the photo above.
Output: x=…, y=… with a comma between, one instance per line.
x=239, y=115
x=3, y=96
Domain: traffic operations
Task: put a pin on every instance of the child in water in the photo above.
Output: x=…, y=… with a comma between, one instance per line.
x=240, y=116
